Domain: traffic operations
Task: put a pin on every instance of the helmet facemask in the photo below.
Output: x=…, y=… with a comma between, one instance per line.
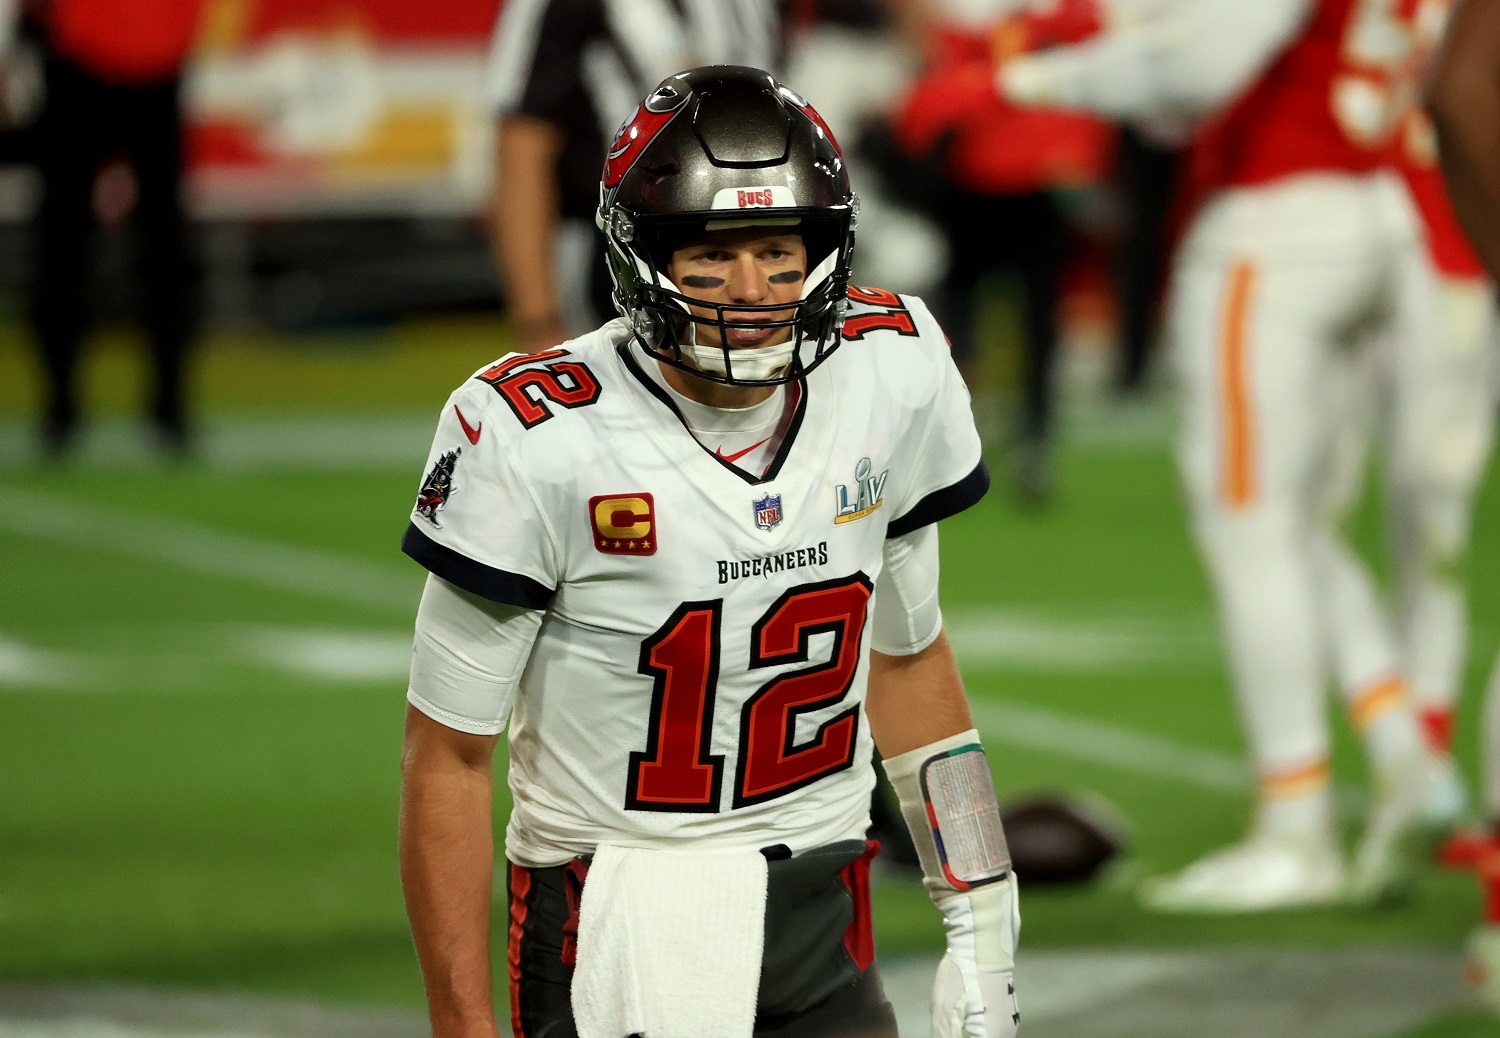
x=663, y=321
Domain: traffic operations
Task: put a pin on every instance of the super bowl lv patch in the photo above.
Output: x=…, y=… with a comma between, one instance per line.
x=624, y=524
x=437, y=487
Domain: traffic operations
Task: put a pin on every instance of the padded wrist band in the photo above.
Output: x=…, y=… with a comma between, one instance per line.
x=948, y=799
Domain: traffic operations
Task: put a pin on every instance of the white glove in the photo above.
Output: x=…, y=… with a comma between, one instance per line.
x=976, y=1005
x=974, y=995
x=1032, y=79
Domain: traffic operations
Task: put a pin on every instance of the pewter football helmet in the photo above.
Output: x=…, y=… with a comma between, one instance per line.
x=715, y=147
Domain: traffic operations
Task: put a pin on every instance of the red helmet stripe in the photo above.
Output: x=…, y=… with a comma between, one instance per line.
x=633, y=138
x=812, y=113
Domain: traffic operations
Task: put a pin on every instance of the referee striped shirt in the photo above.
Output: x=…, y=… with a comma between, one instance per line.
x=584, y=65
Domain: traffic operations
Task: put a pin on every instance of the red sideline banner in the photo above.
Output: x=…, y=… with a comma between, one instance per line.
x=308, y=108
x=390, y=21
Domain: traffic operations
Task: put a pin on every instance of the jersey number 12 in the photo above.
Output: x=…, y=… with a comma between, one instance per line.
x=676, y=772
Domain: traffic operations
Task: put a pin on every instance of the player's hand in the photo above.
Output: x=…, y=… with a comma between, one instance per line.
x=974, y=995
x=967, y=1003
x=1025, y=74
x=1030, y=80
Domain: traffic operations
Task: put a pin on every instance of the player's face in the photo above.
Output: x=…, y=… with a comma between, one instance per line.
x=754, y=266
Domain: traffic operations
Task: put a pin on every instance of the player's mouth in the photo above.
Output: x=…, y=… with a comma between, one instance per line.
x=748, y=332
x=745, y=338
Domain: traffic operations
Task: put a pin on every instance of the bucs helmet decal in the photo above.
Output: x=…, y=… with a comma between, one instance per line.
x=637, y=132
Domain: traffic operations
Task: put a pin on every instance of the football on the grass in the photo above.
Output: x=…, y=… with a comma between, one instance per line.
x=1062, y=838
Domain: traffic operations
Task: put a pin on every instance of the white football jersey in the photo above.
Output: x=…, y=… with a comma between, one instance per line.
x=699, y=674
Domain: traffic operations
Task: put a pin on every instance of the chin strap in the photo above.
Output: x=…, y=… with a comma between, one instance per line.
x=757, y=364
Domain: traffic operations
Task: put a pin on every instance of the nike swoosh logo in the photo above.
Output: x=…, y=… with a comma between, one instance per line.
x=471, y=431
x=737, y=455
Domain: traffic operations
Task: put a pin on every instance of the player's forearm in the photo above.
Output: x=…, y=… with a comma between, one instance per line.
x=1184, y=63
x=919, y=718
x=523, y=218
x=447, y=870
x=915, y=700
x=1463, y=96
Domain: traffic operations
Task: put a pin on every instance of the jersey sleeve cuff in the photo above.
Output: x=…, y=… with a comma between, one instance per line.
x=452, y=720
x=942, y=503
x=911, y=646
x=497, y=585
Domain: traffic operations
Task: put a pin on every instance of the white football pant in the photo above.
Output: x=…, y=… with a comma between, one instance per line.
x=1437, y=458
x=1275, y=287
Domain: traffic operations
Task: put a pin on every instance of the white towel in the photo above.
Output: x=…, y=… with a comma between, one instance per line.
x=669, y=944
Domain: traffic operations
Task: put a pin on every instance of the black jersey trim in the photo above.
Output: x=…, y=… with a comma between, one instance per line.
x=497, y=585
x=942, y=503
x=799, y=411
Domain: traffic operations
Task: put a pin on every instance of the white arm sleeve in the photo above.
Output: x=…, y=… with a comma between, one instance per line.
x=467, y=657
x=1187, y=62
x=907, y=618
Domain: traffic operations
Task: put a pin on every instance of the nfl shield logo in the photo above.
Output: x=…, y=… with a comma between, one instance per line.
x=768, y=511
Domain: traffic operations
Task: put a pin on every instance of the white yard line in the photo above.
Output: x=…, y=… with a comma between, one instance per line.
x=353, y=443
x=1131, y=750
x=1130, y=638
x=1097, y=742
x=200, y=549
x=21, y=664
x=337, y=656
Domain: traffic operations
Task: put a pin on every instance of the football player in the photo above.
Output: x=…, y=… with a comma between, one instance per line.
x=1433, y=516
x=1302, y=241
x=689, y=561
x=1437, y=458
x=1464, y=99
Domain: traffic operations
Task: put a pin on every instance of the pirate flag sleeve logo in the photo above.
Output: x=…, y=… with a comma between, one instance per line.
x=437, y=487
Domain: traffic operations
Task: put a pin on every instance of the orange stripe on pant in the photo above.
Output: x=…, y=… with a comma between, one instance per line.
x=1376, y=700
x=520, y=886
x=1296, y=782
x=1238, y=463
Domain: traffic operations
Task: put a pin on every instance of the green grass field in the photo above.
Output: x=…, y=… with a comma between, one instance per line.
x=192, y=794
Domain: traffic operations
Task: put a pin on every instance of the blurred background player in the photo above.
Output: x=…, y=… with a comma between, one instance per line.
x=1301, y=241
x=113, y=90
x=1431, y=519
x=1433, y=411
x=991, y=176
x=1145, y=183
x=1464, y=99
x=564, y=74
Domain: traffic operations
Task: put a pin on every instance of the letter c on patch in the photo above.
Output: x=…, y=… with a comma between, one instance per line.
x=623, y=517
